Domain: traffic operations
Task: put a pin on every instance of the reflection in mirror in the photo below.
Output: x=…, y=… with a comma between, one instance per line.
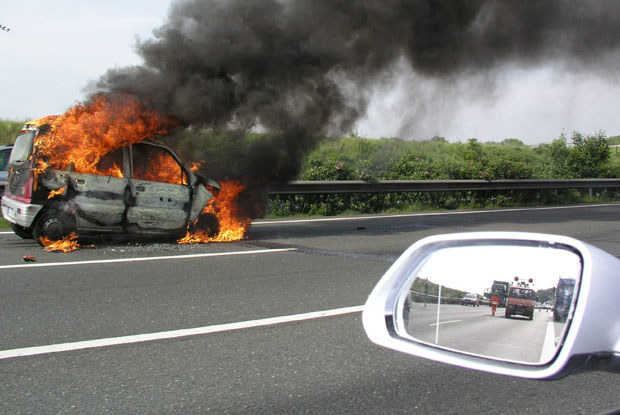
x=506, y=302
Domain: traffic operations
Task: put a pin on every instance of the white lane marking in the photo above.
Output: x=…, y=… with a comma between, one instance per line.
x=142, y=259
x=445, y=322
x=7, y=233
x=140, y=338
x=549, y=346
x=411, y=215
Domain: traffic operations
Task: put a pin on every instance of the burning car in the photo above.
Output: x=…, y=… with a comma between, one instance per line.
x=140, y=188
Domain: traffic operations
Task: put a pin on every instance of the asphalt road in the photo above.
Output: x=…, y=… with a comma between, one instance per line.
x=459, y=328
x=68, y=322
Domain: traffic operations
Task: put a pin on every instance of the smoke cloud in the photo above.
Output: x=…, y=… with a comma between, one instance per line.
x=300, y=69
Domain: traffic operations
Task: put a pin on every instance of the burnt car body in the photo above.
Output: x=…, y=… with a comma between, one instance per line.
x=5, y=153
x=131, y=199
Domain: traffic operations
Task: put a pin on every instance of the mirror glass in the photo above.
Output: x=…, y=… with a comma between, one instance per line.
x=509, y=302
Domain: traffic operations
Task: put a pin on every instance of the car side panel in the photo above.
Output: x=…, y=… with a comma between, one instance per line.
x=97, y=201
x=159, y=205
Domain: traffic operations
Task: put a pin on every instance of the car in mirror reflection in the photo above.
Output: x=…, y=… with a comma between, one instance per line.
x=470, y=299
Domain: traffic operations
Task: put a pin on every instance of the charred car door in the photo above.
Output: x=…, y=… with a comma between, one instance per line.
x=98, y=200
x=159, y=188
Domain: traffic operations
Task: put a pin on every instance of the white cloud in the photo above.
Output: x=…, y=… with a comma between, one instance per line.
x=534, y=105
x=55, y=48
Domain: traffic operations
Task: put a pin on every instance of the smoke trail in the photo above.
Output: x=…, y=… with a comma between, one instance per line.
x=299, y=68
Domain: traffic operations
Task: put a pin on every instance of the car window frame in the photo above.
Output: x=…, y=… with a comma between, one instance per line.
x=185, y=173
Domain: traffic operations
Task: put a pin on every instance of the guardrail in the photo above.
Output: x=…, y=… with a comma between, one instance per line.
x=391, y=186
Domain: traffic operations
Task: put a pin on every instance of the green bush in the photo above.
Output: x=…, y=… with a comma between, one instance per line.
x=354, y=158
x=9, y=131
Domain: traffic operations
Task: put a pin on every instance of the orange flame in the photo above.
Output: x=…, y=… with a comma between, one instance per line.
x=86, y=132
x=195, y=166
x=232, y=224
x=167, y=170
x=54, y=193
x=66, y=244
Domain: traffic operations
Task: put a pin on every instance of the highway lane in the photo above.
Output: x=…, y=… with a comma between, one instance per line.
x=597, y=225
x=319, y=365
x=476, y=330
x=101, y=300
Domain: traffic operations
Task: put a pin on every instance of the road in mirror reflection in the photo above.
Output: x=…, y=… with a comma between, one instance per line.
x=449, y=301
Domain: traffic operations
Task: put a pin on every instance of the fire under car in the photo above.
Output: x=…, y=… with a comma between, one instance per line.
x=140, y=189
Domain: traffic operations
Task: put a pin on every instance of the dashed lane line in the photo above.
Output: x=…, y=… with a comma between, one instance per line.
x=445, y=322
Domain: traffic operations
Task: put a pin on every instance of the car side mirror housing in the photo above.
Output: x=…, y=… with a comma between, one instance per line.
x=199, y=178
x=419, y=306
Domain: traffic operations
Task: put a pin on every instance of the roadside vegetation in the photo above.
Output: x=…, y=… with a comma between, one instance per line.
x=9, y=130
x=353, y=158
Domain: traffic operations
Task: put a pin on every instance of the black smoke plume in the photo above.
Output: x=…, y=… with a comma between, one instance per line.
x=298, y=69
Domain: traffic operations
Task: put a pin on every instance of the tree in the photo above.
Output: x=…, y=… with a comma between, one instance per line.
x=589, y=156
x=512, y=142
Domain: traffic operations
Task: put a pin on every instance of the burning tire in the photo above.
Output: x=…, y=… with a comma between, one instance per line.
x=22, y=232
x=53, y=225
x=208, y=223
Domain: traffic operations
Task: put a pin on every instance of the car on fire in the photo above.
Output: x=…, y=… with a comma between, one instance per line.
x=141, y=189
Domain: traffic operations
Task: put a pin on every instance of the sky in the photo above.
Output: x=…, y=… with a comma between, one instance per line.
x=473, y=269
x=57, y=48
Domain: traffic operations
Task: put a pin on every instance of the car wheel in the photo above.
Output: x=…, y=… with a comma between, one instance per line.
x=21, y=231
x=507, y=314
x=53, y=225
x=207, y=222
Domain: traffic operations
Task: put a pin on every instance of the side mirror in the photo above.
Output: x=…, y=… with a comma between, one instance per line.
x=200, y=178
x=420, y=305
